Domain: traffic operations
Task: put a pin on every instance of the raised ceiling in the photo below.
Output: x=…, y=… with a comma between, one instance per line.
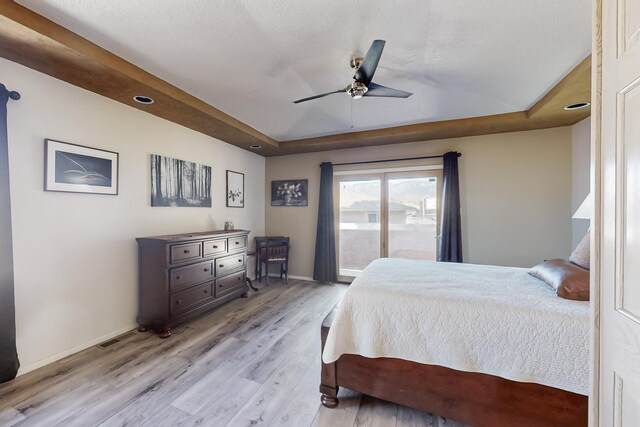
x=251, y=58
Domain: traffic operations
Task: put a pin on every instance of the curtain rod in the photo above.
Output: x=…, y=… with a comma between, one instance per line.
x=391, y=160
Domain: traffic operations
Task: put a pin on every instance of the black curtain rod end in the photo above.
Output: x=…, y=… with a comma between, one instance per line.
x=14, y=95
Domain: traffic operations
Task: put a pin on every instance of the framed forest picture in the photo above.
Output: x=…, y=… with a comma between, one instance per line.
x=177, y=182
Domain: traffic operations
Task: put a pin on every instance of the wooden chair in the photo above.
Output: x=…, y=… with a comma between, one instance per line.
x=273, y=250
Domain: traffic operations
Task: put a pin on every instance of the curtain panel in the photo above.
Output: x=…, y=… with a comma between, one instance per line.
x=450, y=246
x=324, y=268
x=9, y=363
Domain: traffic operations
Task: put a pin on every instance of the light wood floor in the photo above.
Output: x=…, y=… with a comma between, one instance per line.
x=253, y=361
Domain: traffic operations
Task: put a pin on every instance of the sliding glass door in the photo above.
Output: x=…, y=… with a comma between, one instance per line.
x=359, y=232
x=386, y=214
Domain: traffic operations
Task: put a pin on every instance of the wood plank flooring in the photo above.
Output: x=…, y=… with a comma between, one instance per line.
x=253, y=361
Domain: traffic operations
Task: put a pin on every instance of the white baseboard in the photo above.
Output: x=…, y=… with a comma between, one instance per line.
x=310, y=279
x=39, y=364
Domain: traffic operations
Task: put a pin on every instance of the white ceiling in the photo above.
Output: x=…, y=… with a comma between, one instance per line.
x=252, y=58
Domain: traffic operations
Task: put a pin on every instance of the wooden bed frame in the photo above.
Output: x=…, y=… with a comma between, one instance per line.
x=469, y=397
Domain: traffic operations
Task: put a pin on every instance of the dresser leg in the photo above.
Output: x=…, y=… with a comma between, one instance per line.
x=142, y=328
x=165, y=333
x=244, y=295
x=253, y=288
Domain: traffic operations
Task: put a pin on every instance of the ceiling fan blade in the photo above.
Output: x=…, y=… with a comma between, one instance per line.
x=368, y=67
x=318, y=96
x=383, y=91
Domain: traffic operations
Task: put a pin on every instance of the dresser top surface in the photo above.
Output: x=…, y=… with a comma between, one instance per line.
x=178, y=237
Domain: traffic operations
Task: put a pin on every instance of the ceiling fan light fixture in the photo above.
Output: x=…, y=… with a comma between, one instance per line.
x=357, y=90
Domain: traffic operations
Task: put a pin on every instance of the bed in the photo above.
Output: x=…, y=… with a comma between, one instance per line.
x=484, y=345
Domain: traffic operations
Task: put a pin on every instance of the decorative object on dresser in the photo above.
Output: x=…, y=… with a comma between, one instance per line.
x=292, y=192
x=79, y=169
x=177, y=182
x=235, y=189
x=182, y=276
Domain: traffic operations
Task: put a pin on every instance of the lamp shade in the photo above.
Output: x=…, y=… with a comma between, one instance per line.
x=585, y=209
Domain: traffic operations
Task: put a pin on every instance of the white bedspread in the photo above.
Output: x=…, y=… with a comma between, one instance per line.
x=495, y=320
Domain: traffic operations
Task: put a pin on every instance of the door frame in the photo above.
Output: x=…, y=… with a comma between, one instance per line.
x=596, y=179
x=382, y=174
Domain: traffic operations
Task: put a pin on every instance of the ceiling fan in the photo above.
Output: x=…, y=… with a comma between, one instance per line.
x=364, y=71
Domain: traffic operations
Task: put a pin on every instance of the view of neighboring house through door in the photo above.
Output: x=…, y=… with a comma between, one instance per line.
x=386, y=213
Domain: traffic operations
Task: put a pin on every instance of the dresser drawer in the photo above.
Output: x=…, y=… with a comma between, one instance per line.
x=186, y=252
x=237, y=243
x=182, y=277
x=212, y=247
x=229, y=283
x=229, y=263
x=187, y=300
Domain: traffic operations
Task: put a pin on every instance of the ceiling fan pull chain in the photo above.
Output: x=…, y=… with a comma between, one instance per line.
x=351, y=101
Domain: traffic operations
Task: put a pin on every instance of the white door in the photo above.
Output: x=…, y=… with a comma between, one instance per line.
x=619, y=173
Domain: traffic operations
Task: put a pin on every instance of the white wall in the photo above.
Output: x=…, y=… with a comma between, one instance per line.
x=75, y=255
x=580, y=164
x=515, y=195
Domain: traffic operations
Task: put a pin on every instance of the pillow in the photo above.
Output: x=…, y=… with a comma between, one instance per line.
x=582, y=252
x=570, y=281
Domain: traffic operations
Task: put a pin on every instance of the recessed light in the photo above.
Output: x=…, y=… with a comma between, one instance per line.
x=255, y=146
x=577, y=106
x=143, y=99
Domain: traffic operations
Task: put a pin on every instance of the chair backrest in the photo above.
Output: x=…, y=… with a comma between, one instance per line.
x=275, y=249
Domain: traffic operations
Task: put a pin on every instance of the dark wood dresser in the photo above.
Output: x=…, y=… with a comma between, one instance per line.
x=182, y=276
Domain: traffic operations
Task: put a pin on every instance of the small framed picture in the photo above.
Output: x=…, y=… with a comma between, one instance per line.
x=292, y=192
x=235, y=189
x=79, y=169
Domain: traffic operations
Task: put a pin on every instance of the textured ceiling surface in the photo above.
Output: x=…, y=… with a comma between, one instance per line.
x=252, y=58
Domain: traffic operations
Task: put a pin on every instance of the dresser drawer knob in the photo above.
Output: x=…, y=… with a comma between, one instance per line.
x=221, y=266
x=179, y=301
x=239, y=260
x=215, y=246
x=237, y=243
x=239, y=278
x=179, y=276
x=186, y=251
x=220, y=285
x=206, y=269
x=206, y=291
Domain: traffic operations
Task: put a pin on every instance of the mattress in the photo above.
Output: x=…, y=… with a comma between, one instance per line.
x=477, y=318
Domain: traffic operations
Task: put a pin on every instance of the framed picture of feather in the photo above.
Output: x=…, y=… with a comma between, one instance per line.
x=78, y=169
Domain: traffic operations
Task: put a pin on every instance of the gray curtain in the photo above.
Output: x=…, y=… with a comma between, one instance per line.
x=324, y=268
x=9, y=363
x=450, y=249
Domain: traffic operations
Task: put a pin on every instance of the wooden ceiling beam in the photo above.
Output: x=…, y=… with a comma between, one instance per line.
x=38, y=43
x=485, y=125
x=574, y=88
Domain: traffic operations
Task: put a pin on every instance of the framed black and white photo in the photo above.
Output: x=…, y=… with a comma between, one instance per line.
x=292, y=192
x=235, y=189
x=79, y=169
x=179, y=183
